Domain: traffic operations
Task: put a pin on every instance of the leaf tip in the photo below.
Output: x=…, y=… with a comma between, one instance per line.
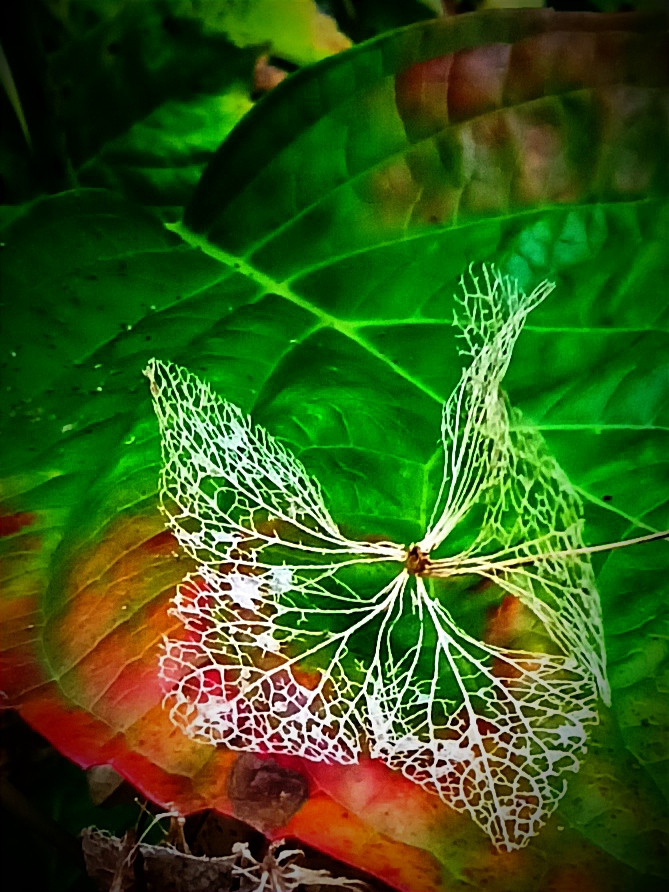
x=152, y=370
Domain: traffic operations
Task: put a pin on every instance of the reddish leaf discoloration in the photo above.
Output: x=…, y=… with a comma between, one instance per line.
x=14, y=523
x=422, y=96
x=163, y=542
x=20, y=670
x=566, y=879
x=332, y=828
x=504, y=621
x=477, y=80
x=489, y=127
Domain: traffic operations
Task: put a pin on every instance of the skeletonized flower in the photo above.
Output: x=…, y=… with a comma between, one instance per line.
x=275, y=654
x=280, y=871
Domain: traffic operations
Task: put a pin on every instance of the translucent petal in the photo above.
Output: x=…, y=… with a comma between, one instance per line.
x=283, y=650
x=495, y=743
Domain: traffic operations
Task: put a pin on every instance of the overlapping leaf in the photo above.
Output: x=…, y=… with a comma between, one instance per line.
x=165, y=82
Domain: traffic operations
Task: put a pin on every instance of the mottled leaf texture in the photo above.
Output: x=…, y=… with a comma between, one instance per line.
x=272, y=660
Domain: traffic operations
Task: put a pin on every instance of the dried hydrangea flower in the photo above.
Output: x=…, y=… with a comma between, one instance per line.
x=275, y=654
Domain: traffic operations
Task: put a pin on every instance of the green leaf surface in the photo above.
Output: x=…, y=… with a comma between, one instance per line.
x=160, y=159
x=312, y=284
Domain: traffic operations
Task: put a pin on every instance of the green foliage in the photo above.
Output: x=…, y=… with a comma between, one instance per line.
x=311, y=283
x=137, y=95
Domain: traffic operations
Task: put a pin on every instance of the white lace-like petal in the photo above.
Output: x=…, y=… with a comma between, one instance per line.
x=530, y=539
x=474, y=420
x=228, y=486
x=494, y=744
x=247, y=676
x=280, y=871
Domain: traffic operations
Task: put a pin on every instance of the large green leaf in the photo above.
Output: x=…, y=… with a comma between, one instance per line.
x=312, y=284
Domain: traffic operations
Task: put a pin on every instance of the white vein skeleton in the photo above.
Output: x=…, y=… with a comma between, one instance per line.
x=299, y=640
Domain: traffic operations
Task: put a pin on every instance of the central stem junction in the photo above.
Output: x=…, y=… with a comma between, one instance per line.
x=417, y=561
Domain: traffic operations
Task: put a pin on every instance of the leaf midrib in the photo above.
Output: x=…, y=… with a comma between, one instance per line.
x=281, y=289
